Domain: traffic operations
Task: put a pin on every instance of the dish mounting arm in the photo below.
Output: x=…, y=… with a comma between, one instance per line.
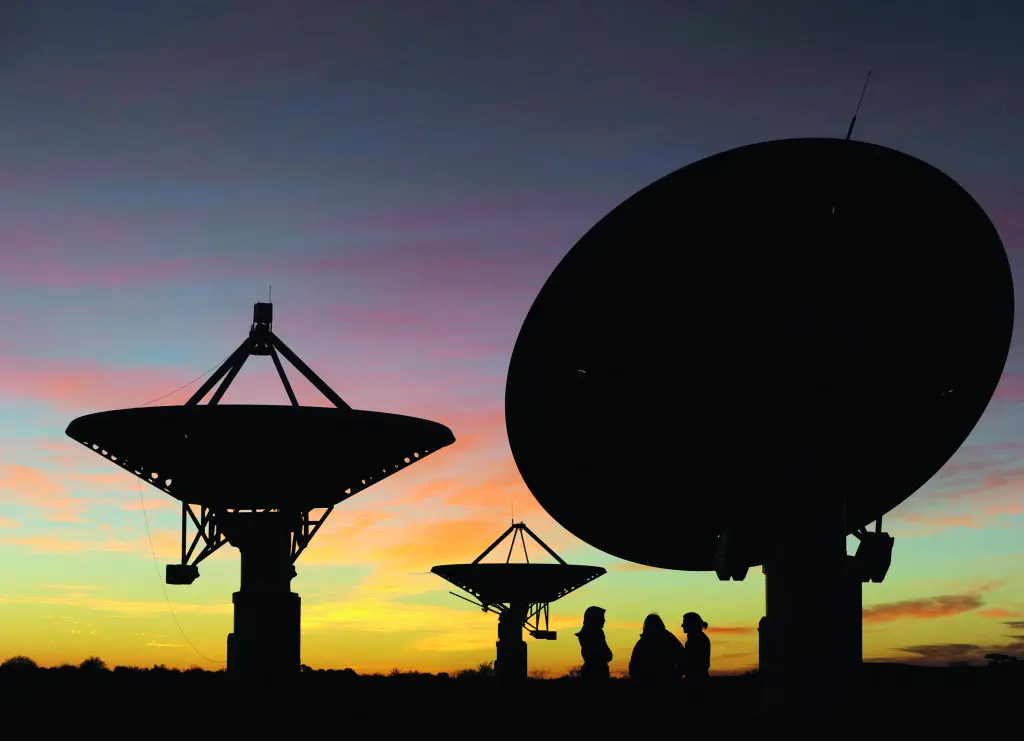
x=263, y=341
x=208, y=531
x=518, y=529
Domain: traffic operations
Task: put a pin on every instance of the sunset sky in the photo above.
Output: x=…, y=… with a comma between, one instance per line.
x=407, y=175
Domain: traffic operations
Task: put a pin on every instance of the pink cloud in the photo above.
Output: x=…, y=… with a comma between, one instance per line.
x=56, y=274
x=25, y=483
x=942, y=522
x=84, y=385
x=974, y=458
x=1010, y=389
x=505, y=212
x=33, y=487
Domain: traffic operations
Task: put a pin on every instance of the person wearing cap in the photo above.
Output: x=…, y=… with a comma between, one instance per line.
x=698, y=647
x=594, y=647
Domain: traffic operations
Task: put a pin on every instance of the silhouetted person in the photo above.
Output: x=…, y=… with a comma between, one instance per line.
x=698, y=653
x=658, y=657
x=594, y=647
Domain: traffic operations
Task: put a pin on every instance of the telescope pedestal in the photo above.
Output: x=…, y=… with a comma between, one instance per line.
x=810, y=638
x=265, y=643
x=510, y=666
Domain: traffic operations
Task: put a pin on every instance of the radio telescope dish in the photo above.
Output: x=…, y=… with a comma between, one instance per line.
x=260, y=478
x=778, y=297
x=521, y=594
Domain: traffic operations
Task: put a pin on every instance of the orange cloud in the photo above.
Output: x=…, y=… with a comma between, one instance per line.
x=922, y=609
x=29, y=485
x=1000, y=614
x=453, y=541
x=498, y=485
x=166, y=543
x=7, y=522
x=46, y=544
x=735, y=630
x=943, y=522
x=1003, y=509
x=123, y=607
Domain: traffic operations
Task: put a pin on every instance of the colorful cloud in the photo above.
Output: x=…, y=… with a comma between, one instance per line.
x=927, y=608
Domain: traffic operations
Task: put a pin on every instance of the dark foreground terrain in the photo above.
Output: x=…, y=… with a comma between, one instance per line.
x=471, y=699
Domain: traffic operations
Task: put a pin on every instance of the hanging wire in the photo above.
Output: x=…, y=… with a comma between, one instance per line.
x=169, y=393
x=159, y=576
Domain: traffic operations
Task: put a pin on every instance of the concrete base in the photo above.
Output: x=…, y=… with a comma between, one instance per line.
x=266, y=639
x=810, y=637
x=510, y=665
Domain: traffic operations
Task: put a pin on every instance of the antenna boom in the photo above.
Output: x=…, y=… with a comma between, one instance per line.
x=853, y=121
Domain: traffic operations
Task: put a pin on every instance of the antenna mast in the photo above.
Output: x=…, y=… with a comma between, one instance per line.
x=853, y=121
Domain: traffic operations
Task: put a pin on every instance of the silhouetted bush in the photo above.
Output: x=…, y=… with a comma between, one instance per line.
x=93, y=664
x=18, y=665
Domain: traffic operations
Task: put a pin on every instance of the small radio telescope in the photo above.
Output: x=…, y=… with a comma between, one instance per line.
x=262, y=478
x=520, y=593
x=771, y=347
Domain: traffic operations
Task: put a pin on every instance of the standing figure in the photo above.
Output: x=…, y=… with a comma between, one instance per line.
x=698, y=651
x=658, y=657
x=594, y=647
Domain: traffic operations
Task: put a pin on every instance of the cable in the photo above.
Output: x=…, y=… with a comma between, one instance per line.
x=159, y=576
x=184, y=385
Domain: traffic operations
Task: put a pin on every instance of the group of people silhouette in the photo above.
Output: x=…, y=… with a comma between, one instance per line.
x=659, y=657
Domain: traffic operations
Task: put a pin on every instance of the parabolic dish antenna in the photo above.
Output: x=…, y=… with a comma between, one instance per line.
x=520, y=593
x=261, y=478
x=783, y=296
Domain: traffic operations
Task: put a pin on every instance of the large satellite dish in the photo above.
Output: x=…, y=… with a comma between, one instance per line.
x=783, y=296
x=263, y=479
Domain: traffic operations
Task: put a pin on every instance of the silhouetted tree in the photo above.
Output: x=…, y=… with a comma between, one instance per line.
x=18, y=665
x=93, y=664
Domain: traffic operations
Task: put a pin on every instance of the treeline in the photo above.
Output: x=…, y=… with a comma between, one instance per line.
x=23, y=666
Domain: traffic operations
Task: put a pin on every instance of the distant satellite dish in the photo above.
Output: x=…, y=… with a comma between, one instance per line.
x=520, y=593
x=787, y=295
